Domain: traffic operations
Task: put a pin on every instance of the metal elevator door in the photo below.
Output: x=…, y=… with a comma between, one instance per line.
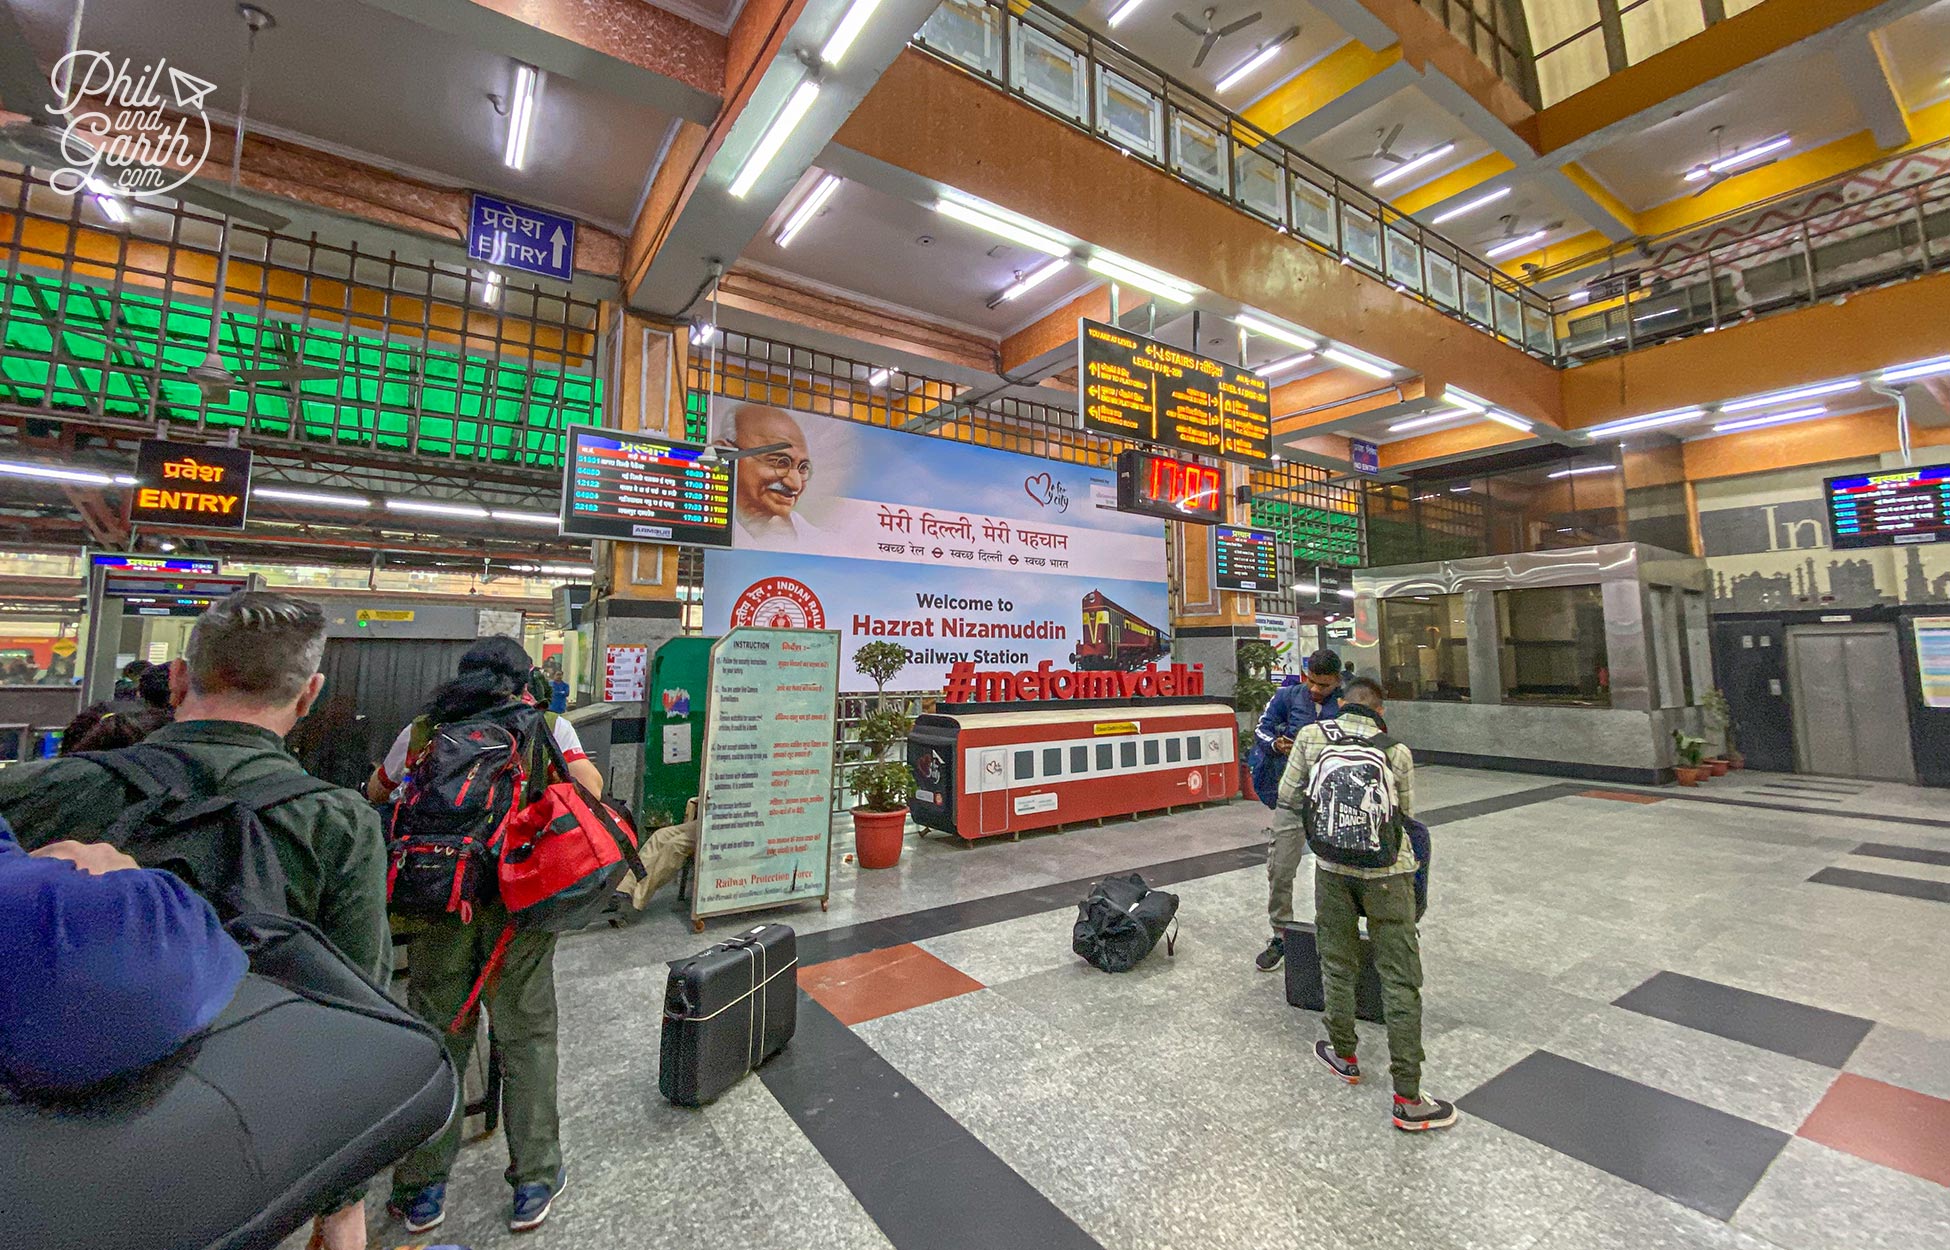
x=1851, y=713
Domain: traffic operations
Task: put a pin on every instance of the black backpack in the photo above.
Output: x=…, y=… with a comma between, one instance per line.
x=1348, y=801
x=216, y=842
x=445, y=829
x=1120, y=920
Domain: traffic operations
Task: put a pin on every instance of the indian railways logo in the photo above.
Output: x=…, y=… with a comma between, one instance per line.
x=779, y=603
x=123, y=135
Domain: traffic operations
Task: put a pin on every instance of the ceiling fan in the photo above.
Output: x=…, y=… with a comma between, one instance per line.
x=1725, y=165
x=1513, y=230
x=1384, y=148
x=1209, y=35
x=37, y=141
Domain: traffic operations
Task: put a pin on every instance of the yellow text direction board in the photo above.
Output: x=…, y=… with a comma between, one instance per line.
x=1140, y=389
x=190, y=484
x=771, y=730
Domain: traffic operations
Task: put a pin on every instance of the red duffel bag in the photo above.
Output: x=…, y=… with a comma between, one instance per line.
x=563, y=855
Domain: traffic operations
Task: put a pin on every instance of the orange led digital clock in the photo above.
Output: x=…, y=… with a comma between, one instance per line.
x=1172, y=487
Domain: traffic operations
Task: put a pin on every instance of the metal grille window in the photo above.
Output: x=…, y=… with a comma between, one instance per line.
x=426, y=357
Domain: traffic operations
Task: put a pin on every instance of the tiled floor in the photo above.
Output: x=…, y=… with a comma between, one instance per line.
x=1671, y=1029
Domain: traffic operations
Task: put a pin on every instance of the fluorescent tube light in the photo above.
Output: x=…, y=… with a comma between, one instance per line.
x=847, y=31
x=437, y=509
x=1426, y=419
x=1352, y=361
x=1787, y=397
x=521, y=116
x=1468, y=403
x=1921, y=369
x=1130, y=273
x=1002, y=227
x=1697, y=172
x=879, y=376
x=1654, y=316
x=107, y=200
x=1517, y=244
x=556, y=570
x=14, y=468
x=123, y=479
x=1123, y=11
x=312, y=497
x=491, y=288
x=1515, y=422
x=1251, y=63
x=1274, y=368
x=1777, y=418
x=524, y=518
x=774, y=138
x=1408, y=167
x=809, y=207
x=1580, y=472
x=1029, y=281
x=1252, y=324
x=1632, y=425
x=1470, y=206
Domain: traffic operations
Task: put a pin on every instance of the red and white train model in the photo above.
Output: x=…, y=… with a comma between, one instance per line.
x=980, y=774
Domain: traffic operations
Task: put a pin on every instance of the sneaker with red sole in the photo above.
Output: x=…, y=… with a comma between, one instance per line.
x=1347, y=1069
x=1423, y=1113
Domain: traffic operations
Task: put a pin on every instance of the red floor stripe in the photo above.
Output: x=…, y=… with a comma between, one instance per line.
x=1898, y=1128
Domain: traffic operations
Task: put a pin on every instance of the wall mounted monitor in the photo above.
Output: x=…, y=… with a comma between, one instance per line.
x=1896, y=508
x=642, y=488
x=1145, y=391
x=1245, y=559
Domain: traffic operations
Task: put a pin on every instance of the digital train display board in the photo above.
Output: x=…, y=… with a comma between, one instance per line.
x=1897, y=508
x=1171, y=487
x=640, y=488
x=1140, y=389
x=1245, y=560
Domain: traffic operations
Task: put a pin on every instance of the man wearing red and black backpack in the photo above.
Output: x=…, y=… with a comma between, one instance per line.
x=455, y=777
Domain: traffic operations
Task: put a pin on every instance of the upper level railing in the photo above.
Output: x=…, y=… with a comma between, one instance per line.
x=1051, y=62
x=1854, y=232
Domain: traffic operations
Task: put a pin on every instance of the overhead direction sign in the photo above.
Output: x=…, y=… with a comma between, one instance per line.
x=519, y=236
x=1140, y=389
x=190, y=484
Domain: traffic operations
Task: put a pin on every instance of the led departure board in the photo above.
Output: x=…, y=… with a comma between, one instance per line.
x=1244, y=559
x=1900, y=507
x=636, y=487
x=1136, y=388
x=1171, y=487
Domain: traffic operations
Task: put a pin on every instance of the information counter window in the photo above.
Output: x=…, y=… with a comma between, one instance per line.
x=1551, y=646
x=1424, y=650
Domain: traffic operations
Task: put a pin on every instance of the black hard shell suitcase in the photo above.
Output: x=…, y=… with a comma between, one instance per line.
x=728, y=1009
x=240, y=1138
x=1303, y=987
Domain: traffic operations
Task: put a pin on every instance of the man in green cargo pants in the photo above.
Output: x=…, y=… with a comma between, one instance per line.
x=1386, y=896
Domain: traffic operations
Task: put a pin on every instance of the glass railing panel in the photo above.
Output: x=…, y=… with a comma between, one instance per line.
x=1443, y=287
x=1361, y=236
x=1404, y=260
x=1537, y=328
x=1049, y=71
x=1314, y=212
x=1509, y=314
x=1129, y=115
x=967, y=31
x=1198, y=151
x=1256, y=184
x=1476, y=297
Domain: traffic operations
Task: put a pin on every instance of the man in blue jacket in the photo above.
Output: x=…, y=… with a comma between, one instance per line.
x=1294, y=706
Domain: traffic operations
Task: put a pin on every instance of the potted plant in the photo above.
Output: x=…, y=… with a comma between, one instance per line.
x=883, y=789
x=1688, y=751
x=1719, y=715
x=882, y=786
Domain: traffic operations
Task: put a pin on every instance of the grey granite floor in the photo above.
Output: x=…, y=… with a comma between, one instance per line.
x=1177, y=1106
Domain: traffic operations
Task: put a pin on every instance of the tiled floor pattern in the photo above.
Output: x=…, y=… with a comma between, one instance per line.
x=1175, y=1106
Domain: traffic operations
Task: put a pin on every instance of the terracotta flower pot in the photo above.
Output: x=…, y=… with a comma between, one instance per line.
x=1685, y=775
x=1719, y=766
x=1736, y=761
x=877, y=837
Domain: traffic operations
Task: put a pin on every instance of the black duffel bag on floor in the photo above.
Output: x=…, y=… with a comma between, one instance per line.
x=1120, y=921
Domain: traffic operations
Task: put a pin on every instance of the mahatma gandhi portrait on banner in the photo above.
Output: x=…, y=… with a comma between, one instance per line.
x=771, y=484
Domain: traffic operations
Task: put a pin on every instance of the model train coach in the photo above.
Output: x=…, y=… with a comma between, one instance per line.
x=980, y=774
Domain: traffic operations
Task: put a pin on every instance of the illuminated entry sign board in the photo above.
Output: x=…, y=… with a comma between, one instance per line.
x=640, y=488
x=1171, y=487
x=190, y=484
x=1244, y=559
x=1136, y=388
x=1886, y=509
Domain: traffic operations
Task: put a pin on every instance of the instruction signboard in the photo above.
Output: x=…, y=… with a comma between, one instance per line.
x=1933, y=658
x=769, y=733
x=623, y=665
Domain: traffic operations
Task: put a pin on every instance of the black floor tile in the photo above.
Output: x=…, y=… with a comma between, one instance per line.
x=927, y=1182
x=1907, y=854
x=1883, y=883
x=1705, y=1159
x=1777, y=1024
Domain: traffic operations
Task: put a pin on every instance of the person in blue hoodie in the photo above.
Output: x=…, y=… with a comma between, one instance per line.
x=1314, y=696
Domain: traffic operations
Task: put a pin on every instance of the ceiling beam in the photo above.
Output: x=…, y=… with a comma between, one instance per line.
x=1867, y=78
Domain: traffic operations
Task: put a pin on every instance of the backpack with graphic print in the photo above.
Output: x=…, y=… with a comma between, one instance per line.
x=1348, y=803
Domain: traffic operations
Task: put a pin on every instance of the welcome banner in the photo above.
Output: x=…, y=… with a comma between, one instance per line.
x=961, y=554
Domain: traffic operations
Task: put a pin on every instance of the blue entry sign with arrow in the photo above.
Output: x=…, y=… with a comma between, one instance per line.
x=517, y=236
